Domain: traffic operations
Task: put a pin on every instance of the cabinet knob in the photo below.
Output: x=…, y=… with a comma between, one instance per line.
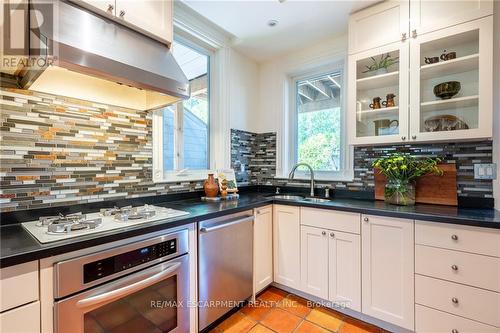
x=403, y=138
x=366, y=219
x=332, y=234
x=454, y=330
x=414, y=33
x=122, y=13
x=323, y=233
x=454, y=267
x=454, y=300
x=414, y=137
x=403, y=36
x=454, y=237
x=259, y=212
x=110, y=8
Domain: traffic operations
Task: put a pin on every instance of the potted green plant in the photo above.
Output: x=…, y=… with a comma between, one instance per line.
x=401, y=171
x=380, y=66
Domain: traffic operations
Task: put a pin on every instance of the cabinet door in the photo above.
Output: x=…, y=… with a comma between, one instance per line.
x=463, y=109
x=286, y=245
x=24, y=319
x=388, y=269
x=98, y=6
x=152, y=17
x=314, y=261
x=379, y=25
x=385, y=121
x=344, y=265
x=427, y=16
x=263, y=248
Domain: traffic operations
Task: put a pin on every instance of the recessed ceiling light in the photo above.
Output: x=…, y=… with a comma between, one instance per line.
x=272, y=23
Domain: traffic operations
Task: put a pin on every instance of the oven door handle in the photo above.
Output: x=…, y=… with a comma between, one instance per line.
x=120, y=292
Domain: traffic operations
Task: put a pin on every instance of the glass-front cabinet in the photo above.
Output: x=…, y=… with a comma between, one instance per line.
x=378, y=98
x=451, y=83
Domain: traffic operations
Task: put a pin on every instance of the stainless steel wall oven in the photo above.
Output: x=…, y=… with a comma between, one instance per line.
x=138, y=287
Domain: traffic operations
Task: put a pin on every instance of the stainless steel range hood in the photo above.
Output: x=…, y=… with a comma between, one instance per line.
x=93, y=58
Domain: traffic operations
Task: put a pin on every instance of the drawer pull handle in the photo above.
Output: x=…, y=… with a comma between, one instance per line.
x=454, y=237
x=454, y=267
x=454, y=330
x=454, y=300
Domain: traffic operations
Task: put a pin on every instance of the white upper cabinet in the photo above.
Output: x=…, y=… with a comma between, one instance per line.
x=151, y=17
x=388, y=269
x=263, y=248
x=379, y=25
x=371, y=119
x=465, y=111
x=286, y=245
x=427, y=16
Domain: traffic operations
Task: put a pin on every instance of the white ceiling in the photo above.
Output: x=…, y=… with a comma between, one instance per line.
x=301, y=23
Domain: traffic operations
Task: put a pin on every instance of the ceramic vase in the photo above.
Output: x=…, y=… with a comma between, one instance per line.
x=210, y=186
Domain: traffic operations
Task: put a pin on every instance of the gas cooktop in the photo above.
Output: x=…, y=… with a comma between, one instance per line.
x=53, y=228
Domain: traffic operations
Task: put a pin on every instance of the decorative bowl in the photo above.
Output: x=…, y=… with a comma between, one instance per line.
x=447, y=90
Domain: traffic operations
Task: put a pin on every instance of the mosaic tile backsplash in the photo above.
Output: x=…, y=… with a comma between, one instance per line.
x=258, y=152
x=58, y=151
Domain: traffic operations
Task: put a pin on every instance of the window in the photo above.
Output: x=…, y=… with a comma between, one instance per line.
x=185, y=127
x=319, y=134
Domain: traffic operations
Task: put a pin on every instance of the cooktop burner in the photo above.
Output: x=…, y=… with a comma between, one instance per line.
x=53, y=228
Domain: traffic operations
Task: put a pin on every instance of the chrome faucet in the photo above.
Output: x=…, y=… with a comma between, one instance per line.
x=292, y=174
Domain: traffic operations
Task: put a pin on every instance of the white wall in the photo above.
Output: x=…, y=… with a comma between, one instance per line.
x=274, y=85
x=243, y=92
x=496, y=103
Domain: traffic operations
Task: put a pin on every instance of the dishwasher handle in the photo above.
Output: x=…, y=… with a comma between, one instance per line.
x=224, y=225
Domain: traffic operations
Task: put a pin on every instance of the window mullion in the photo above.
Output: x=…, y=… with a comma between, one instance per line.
x=178, y=137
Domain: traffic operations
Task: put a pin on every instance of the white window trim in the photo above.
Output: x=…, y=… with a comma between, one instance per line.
x=290, y=131
x=180, y=174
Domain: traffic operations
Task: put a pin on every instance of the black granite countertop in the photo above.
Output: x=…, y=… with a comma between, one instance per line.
x=18, y=246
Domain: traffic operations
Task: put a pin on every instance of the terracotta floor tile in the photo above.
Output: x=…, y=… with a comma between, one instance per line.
x=295, y=305
x=332, y=313
x=281, y=321
x=237, y=323
x=308, y=327
x=349, y=328
x=324, y=319
x=272, y=296
x=260, y=329
x=257, y=311
x=365, y=327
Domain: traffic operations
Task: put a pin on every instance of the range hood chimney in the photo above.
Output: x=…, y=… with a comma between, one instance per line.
x=89, y=57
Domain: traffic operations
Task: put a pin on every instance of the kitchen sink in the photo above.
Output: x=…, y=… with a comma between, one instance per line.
x=287, y=197
x=316, y=200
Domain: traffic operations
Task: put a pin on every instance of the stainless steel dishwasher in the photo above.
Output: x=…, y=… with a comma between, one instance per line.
x=225, y=264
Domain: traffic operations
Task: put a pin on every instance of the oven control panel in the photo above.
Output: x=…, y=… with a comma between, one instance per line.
x=108, y=266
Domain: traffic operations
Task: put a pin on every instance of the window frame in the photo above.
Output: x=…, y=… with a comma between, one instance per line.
x=346, y=172
x=180, y=173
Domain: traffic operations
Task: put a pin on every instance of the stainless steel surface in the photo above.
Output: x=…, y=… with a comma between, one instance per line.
x=94, y=45
x=316, y=200
x=70, y=312
x=225, y=264
x=68, y=274
x=292, y=174
x=287, y=197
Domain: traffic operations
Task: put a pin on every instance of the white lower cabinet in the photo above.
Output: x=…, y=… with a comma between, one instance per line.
x=388, y=269
x=286, y=245
x=263, y=248
x=24, y=319
x=314, y=261
x=344, y=269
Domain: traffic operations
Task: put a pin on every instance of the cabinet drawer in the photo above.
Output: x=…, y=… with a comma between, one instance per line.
x=467, y=268
x=25, y=319
x=328, y=219
x=431, y=321
x=460, y=238
x=18, y=285
x=472, y=303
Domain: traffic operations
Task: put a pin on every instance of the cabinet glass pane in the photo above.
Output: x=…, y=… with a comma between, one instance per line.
x=153, y=309
x=377, y=95
x=449, y=78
